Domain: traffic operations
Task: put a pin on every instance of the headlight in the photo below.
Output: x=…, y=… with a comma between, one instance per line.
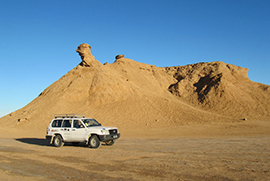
x=105, y=132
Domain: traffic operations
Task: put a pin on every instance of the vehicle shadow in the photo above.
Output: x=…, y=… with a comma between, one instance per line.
x=44, y=142
x=34, y=141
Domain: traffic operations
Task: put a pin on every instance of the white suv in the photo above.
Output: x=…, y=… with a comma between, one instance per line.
x=75, y=128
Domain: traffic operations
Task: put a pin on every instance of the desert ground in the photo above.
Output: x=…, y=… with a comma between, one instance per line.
x=235, y=151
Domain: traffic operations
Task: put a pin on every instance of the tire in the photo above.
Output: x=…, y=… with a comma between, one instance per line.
x=94, y=142
x=58, y=141
x=110, y=143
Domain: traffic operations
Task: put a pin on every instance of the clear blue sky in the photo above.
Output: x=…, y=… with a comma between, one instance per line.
x=38, y=38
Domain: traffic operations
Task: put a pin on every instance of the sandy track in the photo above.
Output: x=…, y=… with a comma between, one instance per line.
x=235, y=158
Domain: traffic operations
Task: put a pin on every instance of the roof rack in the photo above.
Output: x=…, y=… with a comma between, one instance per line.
x=69, y=115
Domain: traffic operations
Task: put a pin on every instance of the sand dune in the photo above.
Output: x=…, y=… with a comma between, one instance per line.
x=131, y=94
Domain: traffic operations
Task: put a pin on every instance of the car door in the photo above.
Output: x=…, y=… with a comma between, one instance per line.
x=66, y=130
x=78, y=131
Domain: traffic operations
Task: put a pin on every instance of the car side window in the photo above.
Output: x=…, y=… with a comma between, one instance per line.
x=57, y=123
x=67, y=124
x=77, y=124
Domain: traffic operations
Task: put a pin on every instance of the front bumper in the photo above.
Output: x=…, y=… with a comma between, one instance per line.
x=109, y=137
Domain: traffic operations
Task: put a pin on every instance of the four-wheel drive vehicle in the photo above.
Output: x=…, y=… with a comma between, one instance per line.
x=75, y=128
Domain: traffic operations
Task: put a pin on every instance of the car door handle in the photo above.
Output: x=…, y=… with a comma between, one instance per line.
x=73, y=129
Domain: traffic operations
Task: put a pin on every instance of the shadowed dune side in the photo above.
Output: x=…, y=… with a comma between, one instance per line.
x=221, y=88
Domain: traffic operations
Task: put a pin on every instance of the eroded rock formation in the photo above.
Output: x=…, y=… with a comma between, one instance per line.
x=88, y=60
x=119, y=56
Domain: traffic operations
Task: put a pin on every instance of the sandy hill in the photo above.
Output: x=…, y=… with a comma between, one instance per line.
x=129, y=94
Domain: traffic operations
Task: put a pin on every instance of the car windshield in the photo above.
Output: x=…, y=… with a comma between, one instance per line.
x=91, y=122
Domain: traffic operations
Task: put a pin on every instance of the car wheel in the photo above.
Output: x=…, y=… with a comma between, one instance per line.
x=110, y=143
x=58, y=141
x=94, y=142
